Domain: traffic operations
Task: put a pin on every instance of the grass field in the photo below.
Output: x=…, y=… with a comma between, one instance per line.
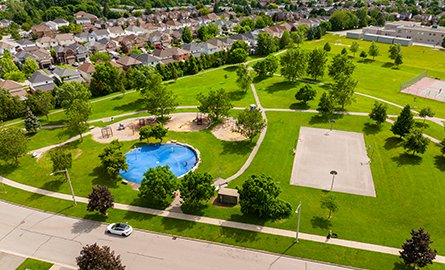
x=33, y=264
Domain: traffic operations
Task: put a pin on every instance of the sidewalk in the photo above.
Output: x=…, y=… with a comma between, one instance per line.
x=223, y=223
x=9, y=260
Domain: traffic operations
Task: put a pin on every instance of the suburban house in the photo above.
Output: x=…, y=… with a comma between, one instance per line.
x=46, y=42
x=14, y=88
x=67, y=75
x=100, y=34
x=41, y=81
x=41, y=30
x=147, y=59
x=83, y=17
x=84, y=37
x=6, y=46
x=65, y=39
x=25, y=44
x=134, y=30
x=116, y=31
x=171, y=54
x=196, y=49
x=127, y=61
x=61, y=22
x=43, y=57
x=86, y=70
x=72, y=53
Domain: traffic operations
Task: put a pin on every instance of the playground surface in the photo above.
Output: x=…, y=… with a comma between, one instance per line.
x=186, y=122
x=226, y=131
x=319, y=152
x=427, y=88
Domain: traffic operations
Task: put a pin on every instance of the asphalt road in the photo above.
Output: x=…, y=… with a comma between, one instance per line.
x=59, y=239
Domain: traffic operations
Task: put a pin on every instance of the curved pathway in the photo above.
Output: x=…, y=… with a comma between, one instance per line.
x=221, y=222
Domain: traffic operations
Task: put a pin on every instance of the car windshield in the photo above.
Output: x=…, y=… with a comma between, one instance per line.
x=121, y=226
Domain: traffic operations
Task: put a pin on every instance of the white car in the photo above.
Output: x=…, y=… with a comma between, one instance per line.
x=120, y=229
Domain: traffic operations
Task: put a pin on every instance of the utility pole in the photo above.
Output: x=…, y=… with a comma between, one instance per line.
x=69, y=182
x=298, y=211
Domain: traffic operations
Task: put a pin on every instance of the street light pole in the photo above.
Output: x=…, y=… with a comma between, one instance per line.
x=298, y=211
x=69, y=182
x=333, y=173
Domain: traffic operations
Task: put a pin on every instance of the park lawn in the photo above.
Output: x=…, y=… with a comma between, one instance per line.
x=219, y=158
x=432, y=129
x=410, y=193
x=235, y=237
x=379, y=79
x=278, y=92
x=33, y=264
x=189, y=87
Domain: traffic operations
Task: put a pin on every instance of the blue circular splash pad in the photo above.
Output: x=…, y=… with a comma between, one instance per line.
x=181, y=159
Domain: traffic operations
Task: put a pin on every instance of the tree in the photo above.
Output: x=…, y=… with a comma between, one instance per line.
x=293, y=64
x=7, y=65
x=158, y=131
x=266, y=44
x=327, y=47
x=94, y=257
x=354, y=47
x=29, y=67
x=216, y=104
x=341, y=65
x=31, y=122
x=103, y=56
x=41, y=103
x=326, y=105
x=285, y=40
x=403, y=123
x=105, y=80
x=398, y=60
x=378, y=113
x=394, y=50
x=243, y=77
x=416, y=142
x=373, y=50
x=266, y=67
x=297, y=38
x=16, y=76
x=426, y=112
x=158, y=99
x=77, y=116
x=416, y=252
x=100, y=200
x=13, y=143
x=195, y=188
x=145, y=133
x=113, y=160
x=328, y=202
x=317, y=63
x=11, y=107
x=305, y=94
x=238, y=55
x=158, y=184
x=259, y=196
x=250, y=123
x=240, y=44
x=363, y=55
x=187, y=36
x=68, y=92
x=442, y=148
x=61, y=158
x=342, y=91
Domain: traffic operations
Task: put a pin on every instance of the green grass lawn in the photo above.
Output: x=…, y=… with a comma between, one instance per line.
x=261, y=241
x=219, y=158
x=378, y=78
x=33, y=264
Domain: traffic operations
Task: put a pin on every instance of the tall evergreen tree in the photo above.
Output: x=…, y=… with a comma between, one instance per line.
x=404, y=122
x=31, y=122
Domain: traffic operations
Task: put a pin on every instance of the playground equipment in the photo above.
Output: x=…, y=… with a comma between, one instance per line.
x=107, y=132
x=199, y=118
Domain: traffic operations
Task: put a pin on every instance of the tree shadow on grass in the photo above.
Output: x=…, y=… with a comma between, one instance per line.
x=299, y=106
x=230, y=68
x=370, y=129
x=393, y=142
x=388, y=65
x=7, y=168
x=136, y=105
x=88, y=223
x=324, y=119
x=281, y=86
x=236, y=95
x=55, y=184
x=421, y=125
x=149, y=203
x=321, y=222
x=239, y=148
x=100, y=177
x=439, y=161
x=239, y=236
x=407, y=159
x=401, y=266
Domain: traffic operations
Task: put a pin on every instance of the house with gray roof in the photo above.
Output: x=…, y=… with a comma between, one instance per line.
x=67, y=75
x=147, y=59
x=41, y=81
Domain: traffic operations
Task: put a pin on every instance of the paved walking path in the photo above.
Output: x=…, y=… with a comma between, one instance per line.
x=221, y=222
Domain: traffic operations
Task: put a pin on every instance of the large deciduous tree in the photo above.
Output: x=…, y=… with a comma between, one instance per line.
x=378, y=113
x=159, y=100
x=216, y=104
x=100, y=200
x=328, y=202
x=95, y=257
x=293, y=64
x=404, y=122
x=342, y=91
x=259, y=196
x=158, y=184
x=305, y=94
x=113, y=160
x=196, y=188
x=416, y=252
x=341, y=64
x=158, y=131
x=266, y=44
x=250, y=123
x=244, y=79
x=13, y=144
x=77, y=117
x=373, y=50
x=266, y=67
x=416, y=142
x=326, y=105
x=317, y=63
x=41, y=103
x=187, y=36
x=105, y=80
x=61, y=158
